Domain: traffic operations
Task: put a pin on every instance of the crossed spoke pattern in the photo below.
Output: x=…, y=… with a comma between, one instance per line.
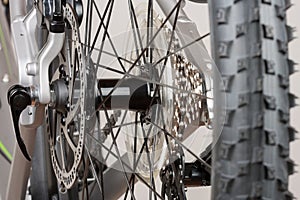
x=146, y=130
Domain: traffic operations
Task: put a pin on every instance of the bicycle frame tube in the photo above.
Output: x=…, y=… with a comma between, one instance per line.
x=33, y=72
x=17, y=8
x=20, y=168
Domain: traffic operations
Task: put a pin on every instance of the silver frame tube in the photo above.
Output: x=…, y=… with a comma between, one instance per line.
x=17, y=8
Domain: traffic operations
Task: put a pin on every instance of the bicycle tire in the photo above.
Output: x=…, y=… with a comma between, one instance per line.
x=251, y=156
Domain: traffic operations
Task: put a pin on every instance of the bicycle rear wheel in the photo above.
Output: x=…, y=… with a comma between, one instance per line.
x=149, y=95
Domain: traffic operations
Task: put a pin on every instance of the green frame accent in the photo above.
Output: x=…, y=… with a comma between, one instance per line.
x=4, y=150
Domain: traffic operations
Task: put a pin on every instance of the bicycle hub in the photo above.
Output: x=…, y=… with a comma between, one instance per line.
x=131, y=93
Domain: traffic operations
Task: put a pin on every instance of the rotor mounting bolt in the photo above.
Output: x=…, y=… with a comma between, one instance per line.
x=63, y=120
x=67, y=79
x=68, y=106
x=62, y=69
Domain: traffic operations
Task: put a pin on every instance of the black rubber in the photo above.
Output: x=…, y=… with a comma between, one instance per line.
x=251, y=157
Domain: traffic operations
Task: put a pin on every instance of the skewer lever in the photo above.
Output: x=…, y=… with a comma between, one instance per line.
x=18, y=99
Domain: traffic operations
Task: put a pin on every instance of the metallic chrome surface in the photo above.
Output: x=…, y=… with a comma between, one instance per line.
x=20, y=168
x=17, y=8
x=50, y=50
x=23, y=31
x=197, y=53
x=33, y=65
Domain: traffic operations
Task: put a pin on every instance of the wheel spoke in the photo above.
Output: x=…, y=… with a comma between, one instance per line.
x=109, y=4
x=116, y=146
x=125, y=164
x=109, y=38
x=106, y=34
x=182, y=145
x=117, y=134
x=149, y=52
x=139, y=57
x=135, y=28
x=124, y=124
x=145, y=145
x=149, y=161
x=181, y=48
x=85, y=177
x=107, y=53
x=132, y=181
x=88, y=26
x=134, y=152
x=167, y=53
x=158, y=61
x=93, y=169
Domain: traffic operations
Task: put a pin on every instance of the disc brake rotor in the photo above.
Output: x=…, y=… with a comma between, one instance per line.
x=66, y=116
